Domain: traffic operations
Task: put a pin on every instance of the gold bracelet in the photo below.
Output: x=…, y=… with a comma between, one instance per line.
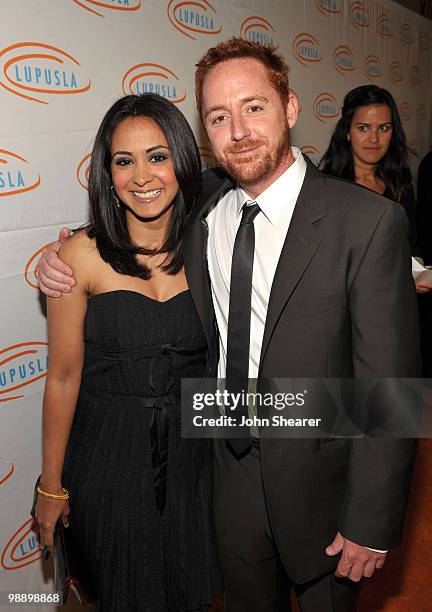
x=63, y=497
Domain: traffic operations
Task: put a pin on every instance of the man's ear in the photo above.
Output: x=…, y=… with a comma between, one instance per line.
x=292, y=109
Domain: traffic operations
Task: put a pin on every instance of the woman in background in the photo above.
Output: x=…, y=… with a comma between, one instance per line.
x=119, y=344
x=368, y=147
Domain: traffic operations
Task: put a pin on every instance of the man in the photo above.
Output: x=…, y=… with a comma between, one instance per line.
x=331, y=296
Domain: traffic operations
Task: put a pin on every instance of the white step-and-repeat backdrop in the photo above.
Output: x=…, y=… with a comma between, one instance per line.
x=62, y=64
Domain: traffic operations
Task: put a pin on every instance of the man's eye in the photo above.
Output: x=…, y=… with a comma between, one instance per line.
x=255, y=109
x=218, y=119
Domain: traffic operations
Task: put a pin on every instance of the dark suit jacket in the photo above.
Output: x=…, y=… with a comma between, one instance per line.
x=342, y=304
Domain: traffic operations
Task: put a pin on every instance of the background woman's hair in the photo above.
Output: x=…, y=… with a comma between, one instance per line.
x=108, y=222
x=393, y=168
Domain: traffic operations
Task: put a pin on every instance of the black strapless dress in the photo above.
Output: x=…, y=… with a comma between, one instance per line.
x=140, y=494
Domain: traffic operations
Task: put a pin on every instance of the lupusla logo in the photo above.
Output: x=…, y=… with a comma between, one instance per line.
x=31, y=270
x=325, y=107
x=22, y=549
x=421, y=112
x=372, y=67
x=424, y=41
x=343, y=59
x=405, y=34
x=312, y=152
x=359, y=15
x=35, y=71
x=413, y=76
x=21, y=365
x=405, y=112
x=395, y=72
x=258, y=30
x=327, y=7
x=306, y=48
x=193, y=18
x=82, y=172
x=6, y=470
x=384, y=26
x=154, y=78
x=96, y=6
x=16, y=174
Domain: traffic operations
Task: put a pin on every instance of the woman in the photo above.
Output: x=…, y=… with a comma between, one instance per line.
x=119, y=345
x=368, y=146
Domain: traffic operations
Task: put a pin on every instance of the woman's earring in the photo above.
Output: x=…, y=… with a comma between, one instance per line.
x=114, y=197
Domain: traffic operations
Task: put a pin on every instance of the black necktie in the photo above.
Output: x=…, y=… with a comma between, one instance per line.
x=238, y=343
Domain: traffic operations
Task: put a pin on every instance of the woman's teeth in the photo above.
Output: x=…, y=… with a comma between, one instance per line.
x=147, y=194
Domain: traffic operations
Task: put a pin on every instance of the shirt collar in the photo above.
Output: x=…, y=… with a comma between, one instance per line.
x=280, y=195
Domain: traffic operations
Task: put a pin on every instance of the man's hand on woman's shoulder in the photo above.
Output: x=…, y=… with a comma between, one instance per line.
x=55, y=277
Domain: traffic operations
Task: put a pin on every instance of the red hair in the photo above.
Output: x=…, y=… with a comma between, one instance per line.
x=237, y=47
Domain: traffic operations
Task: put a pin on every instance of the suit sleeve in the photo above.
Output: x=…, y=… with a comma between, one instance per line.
x=385, y=344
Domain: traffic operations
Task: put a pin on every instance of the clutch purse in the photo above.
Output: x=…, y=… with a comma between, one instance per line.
x=70, y=571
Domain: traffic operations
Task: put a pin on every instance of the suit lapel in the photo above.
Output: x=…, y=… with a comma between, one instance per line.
x=304, y=236
x=215, y=184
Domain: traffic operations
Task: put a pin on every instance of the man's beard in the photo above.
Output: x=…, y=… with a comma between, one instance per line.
x=256, y=167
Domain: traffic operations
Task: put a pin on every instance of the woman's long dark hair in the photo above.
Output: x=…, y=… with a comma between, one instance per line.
x=393, y=168
x=107, y=221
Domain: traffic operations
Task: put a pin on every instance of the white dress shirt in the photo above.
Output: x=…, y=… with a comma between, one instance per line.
x=271, y=225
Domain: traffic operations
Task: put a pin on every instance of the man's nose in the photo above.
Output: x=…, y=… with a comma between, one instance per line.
x=239, y=127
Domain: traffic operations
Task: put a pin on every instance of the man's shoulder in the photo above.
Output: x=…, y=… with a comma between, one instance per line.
x=355, y=201
x=215, y=183
x=358, y=193
x=213, y=179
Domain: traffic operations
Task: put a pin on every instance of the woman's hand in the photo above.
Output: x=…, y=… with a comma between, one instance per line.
x=48, y=512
